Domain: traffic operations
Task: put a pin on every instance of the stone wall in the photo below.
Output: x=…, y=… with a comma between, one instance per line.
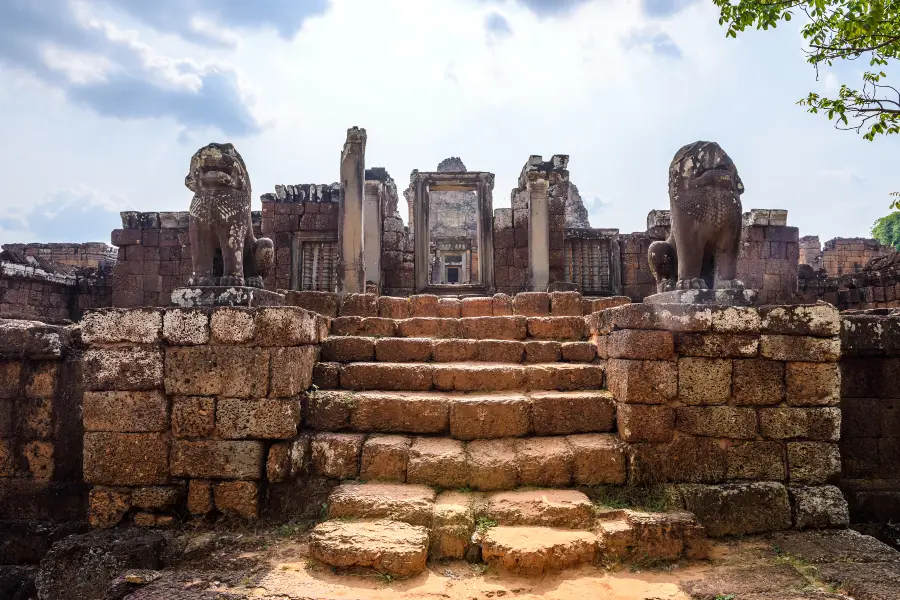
x=870, y=432
x=849, y=255
x=811, y=252
x=398, y=277
x=736, y=408
x=40, y=423
x=190, y=411
x=769, y=256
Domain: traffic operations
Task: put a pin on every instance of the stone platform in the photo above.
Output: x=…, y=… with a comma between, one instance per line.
x=200, y=296
x=706, y=297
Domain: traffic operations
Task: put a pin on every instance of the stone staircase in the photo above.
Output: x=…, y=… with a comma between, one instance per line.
x=463, y=438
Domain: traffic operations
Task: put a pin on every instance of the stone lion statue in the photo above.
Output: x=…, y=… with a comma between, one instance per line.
x=220, y=219
x=705, y=199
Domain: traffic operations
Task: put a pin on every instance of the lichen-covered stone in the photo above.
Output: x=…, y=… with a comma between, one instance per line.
x=736, y=319
x=186, y=327
x=819, y=507
x=285, y=326
x=232, y=325
x=738, y=508
x=292, y=370
x=820, y=319
x=717, y=421
x=115, y=325
x=813, y=462
x=800, y=348
x=337, y=454
x=134, y=368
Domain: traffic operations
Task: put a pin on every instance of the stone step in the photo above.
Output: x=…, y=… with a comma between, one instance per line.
x=469, y=376
x=387, y=546
x=537, y=550
x=352, y=348
x=412, y=504
x=488, y=465
x=637, y=535
x=514, y=327
x=462, y=416
x=562, y=509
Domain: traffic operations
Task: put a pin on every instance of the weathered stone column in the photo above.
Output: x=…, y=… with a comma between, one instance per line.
x=351, y=268
x=538, y=232
x=372, y=231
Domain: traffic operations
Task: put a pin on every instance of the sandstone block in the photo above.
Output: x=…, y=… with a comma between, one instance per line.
x=478, y=377
x=717, y=421
x=126, y=412
x=115, y=325
x=410, y=504
x=419, y=327
x=537, y=550
x=423, y=305
x=324, y=303
x=564, y=376
x=337, y=454
x=288, y=460
x=547, y=461
x=736, y=319
x=193, y=416
x=492, y=464
x=641, y=344
x=489, y=416
x=285, y=326
x=107, y=506
x=359, y=305
x=783, y=423
x=542, y=352
x=232, y=325
x=502, y=305
x=217, y=370
x=813, y=384
x=400, y=412
x=642, y=381
x=813, y=463
x=565, y=304
x=200, y=497
x=559, y=413
x=449, y=308
x=186, y=327
x=762, y=461
x=386, y=546
x=493, y=328
x=477, y=307
x=757, y=382
x=126, y=458
x=717, y=345
x=671, y=317
x=156, y=497
x=37, y=459
x=819, y=507
x=329, y=410
x=800, y=348
x=238, y=498
x=40, y=380
x=384, y=458
x=10, y=378
x=688, y=459
x=348, y=349
x=387, y=376
x=393, y=308
x=497, y=351
x=217, y=459
x=645, y=423
x=578, y=351
x=292, y=370
x=567, y=509
x=437, y=462
x=452, y=526
x=738, y=508
x=557, y=328
x=403, y=350
x=33, y=419
x=135, y=368
x=820, y=319
x=459, y=350
x=262, y=418
x=532, y=304
x=704, y=380
x=598, y=459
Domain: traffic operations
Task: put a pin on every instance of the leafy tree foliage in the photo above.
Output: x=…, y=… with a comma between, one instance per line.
x=887, y=230
x=837, y=30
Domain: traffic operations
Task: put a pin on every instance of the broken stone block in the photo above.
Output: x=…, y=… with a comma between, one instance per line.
x=578, y=351
x=717, y=421
x=813, y=463
x=386, y=546
x=738, y=508
x=763, y=461
x=217, y=370
x=186, y=327
x=385, y=457
x=452, y=526
x=232, y=325
x=559, y=413
x=489, y=416
x=598, y=459
x=214, y=459
x=126, y=412
x=107, y=506
x=262, y=418
x=193, y=416
x=813, y=384
x=116, y=325
x=403, y=350
x=437, y=462
x=410, y=504
x=641, y=344
x=642, y=381
x=809, y=423
x=337, y=454
x=537, y=550
x=820, y=319
x=704, y=381
x=288, y=460
x=645, y=423
x=126, y=458
x=532, y=304
x=239, y=498
x=819, y=507
x=547, y=461
x=798, y=348
x=757, y=382
x=292, y=370
x=135, y=368
x=492, y=464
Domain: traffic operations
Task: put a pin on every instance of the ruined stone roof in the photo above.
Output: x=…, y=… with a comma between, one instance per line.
x=454, y=164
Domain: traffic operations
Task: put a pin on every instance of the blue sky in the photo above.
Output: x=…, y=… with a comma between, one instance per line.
x=102, y=103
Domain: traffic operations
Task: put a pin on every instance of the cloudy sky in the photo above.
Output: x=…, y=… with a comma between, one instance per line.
x=102, y=103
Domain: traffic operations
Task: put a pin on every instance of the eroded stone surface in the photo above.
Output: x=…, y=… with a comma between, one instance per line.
x=386, y=546
x=537, y=550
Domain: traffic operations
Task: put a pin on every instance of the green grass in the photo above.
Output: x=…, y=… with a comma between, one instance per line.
x=724, y=597
x=482, y=524
x=651, y=499
x=289, y=529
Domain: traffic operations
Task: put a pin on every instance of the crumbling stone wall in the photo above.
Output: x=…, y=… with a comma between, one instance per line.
x=811, y=252
x=398, y=275
x=40, y=423
x=870, y=430
x=849, y=255
x=769, y=255
x=191, y=411
x=637, y=279
x=736, y=408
